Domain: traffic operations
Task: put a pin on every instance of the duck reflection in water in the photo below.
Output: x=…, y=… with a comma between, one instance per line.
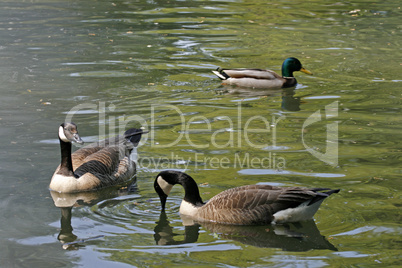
x=289, y=101
x=299, y=236
x=66, y=202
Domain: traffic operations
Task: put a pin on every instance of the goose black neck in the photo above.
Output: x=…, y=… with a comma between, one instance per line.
x=66, y=165
x=191, y=192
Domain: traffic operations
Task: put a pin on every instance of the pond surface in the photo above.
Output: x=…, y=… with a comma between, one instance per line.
x=108, y=65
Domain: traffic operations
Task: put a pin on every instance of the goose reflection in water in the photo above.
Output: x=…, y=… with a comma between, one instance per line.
x=66, y=202
x=164, y=232
x=299, y=236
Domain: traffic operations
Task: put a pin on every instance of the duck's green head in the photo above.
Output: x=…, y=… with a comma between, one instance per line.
x=291, y=65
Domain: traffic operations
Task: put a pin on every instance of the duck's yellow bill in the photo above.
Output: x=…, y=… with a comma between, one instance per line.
x=305, y=71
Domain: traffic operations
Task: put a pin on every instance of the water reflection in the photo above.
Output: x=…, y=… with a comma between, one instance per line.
x=66, y=202
x=164, y=234
x=66, y=229
x=249, y=92
x=66, y=237
x=300, y=236
x=289, y=101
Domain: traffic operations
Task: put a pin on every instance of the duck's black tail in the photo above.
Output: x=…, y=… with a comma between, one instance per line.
x=221, y=74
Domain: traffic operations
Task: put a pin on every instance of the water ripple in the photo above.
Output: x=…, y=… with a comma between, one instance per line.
x=103, y=74
x=288, y=172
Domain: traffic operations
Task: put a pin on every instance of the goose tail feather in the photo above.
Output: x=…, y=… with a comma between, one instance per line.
x=322, y=195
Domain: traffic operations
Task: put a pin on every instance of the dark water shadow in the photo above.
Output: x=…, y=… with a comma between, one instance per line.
x=298, y=237
x=66, y=202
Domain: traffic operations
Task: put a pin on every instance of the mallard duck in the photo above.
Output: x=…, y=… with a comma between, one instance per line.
x=98, y=165
x=244, y=205
x=258, y=78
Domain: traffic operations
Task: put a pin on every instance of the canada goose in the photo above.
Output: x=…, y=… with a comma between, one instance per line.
x=98, y=165
x=258, y=78
x=244, y=205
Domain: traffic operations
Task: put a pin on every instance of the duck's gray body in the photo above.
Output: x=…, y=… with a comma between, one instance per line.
x=260, y=78
x=254, y=78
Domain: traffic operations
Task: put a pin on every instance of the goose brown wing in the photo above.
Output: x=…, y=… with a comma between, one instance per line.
x=125, y=169
x=78, y=157
x=245, y=197
x=101, y=161
x=96, y=150
x=253, y=204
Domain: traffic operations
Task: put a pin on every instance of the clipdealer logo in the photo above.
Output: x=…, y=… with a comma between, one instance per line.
x=331, y=144
x=239, y=132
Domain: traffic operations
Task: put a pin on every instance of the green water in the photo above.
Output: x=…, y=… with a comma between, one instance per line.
x=131, y=63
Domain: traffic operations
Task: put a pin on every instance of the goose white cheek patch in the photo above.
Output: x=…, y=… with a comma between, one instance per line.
x=165, y=186
x=62, y=136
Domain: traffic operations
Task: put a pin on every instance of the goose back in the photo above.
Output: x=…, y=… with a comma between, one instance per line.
x=256, y=204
